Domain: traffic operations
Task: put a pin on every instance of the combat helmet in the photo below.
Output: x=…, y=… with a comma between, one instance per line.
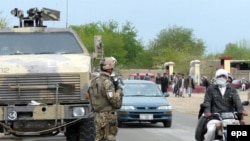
x=108, y=63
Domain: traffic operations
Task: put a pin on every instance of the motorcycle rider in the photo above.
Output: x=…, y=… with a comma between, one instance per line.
x=219, y=98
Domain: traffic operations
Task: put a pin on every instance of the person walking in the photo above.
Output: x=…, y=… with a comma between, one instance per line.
x=158, y=80
x=205, y=82
x=173, y=81
x=243, y=84
x=164, y=83
x=175, y=86
x=219, y=98
x=105, y=97
x=189, y=85
x=181, y=88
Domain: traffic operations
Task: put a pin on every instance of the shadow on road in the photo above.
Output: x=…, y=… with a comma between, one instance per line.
x=142, y=125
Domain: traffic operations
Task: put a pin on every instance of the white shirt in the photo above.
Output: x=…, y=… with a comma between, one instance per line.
x=222, y=90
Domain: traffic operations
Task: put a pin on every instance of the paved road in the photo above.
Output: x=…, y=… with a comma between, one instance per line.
x=182, y=129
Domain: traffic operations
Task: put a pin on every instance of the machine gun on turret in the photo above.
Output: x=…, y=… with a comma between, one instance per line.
x=36, y=17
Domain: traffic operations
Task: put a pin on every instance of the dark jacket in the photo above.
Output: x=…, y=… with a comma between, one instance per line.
x=164, y=84
x=186, y=82
x=158, y=80
x=205, y=83
x=179, y=82
x=216, y=103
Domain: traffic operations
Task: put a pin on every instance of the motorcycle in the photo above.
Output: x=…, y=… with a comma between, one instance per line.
x=226, y=118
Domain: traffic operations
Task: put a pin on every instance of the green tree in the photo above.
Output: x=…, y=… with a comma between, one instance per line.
x=3, y=22
x=237, y=51
x=121, y=44
x=133, y=47
x=176, y=44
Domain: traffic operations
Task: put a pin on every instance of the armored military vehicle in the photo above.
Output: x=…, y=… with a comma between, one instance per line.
x=44, y=75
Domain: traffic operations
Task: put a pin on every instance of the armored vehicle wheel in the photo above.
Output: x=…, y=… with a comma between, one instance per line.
x=87, y=130
x=72, y=133
x=84, y=130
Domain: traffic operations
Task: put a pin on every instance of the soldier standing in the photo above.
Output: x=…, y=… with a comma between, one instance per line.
x=105, y=98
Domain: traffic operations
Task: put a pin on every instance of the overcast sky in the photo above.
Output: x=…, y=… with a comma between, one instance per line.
x=216, y=22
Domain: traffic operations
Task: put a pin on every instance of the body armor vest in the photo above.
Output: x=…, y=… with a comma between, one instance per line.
x=98, y=96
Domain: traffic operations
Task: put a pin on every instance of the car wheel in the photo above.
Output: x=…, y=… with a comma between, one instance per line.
x=167, y=123
x=119, y=124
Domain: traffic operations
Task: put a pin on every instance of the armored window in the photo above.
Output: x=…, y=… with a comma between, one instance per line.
x=39, y=43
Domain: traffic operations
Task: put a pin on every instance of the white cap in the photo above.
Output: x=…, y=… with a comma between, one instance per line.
x=221, y=72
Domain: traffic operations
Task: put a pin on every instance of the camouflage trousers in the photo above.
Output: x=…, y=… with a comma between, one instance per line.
x=106, y=126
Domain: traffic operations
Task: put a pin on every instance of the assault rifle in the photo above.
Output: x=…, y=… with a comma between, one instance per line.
x=117, y=80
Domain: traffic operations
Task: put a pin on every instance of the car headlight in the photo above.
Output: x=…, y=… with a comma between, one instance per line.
x=128, y=108
x=78, y=111
x=165, y=107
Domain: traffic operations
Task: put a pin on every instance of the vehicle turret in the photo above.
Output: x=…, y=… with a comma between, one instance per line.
x=35, y=16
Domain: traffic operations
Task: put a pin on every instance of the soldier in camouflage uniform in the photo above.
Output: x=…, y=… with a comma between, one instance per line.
x=105, y=98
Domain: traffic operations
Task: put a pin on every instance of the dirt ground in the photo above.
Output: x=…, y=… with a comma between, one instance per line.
x=191, y=104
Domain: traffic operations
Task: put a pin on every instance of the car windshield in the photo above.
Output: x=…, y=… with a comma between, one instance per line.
x=38, y=43
x=141, y=89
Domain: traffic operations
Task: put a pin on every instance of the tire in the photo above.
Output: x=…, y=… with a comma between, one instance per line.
x=84, y=130
x=87, y=130
x=167, y=123
x=119, y=124
x=201, y=128
x=72, y=133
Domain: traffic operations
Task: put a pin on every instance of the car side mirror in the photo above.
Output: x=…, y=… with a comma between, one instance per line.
x=165, y=94
x=245, y=103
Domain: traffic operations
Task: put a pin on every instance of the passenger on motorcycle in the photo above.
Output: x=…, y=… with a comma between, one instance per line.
x=220, y=98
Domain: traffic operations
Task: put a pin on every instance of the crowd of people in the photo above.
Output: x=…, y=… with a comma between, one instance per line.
x=177, y=82
x=181, y=84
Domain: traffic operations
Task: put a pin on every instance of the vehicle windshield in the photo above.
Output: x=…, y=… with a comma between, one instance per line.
x=141, y=89
x=38, y=43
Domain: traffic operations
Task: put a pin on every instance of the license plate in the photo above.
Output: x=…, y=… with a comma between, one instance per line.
x=146, y=116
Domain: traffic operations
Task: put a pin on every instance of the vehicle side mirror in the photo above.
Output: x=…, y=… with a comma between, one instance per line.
x=245, y=103
x=165, y=94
